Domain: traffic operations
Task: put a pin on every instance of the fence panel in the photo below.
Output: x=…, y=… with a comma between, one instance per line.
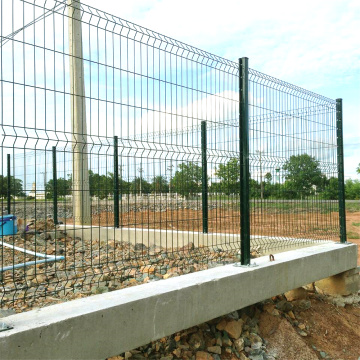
x=293, y=166
x=121, y=157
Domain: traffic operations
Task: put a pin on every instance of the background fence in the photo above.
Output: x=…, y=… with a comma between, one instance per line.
x=128, y=156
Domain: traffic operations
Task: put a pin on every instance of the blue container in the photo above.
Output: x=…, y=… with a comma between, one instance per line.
x=8, y=225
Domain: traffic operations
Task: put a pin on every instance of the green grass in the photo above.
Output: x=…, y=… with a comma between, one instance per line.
x=352, y=206
x=352, y=235
x=356, y=224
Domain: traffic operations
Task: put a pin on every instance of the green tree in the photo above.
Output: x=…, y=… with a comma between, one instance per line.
x=100, y=185
x=140, y=185
x=124, y=186
x=63, y=187
x=187, y=179
x=160, y=184
x=229, y=175
x=302, y=175
x=16, y=188
x=331, y=189
x=268, y=177
x=352, y=189
x=358, y=169
x=255, y=189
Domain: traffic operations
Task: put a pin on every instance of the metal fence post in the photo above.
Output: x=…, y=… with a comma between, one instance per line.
x=8, y=185
x=340, y=157
x=116, y=183
x=55, y=189
x=205, y=215
x=244, y=161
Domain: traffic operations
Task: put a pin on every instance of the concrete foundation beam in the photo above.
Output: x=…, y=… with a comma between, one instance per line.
x=108, y=324
x=173, y=240
x=345, y=283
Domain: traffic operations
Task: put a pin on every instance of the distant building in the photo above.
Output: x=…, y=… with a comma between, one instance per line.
x=40, y=195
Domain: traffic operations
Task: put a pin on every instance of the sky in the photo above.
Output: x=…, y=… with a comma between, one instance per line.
x=312, y=44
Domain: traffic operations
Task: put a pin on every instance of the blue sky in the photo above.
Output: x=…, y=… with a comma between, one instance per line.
x=313, y=44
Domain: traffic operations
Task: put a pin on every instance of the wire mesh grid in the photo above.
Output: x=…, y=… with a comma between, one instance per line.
x=120, y=156
x=293, y=166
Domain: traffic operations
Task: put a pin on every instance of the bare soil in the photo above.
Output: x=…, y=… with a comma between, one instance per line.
x=330, y=329
x=353, y=229
x=322, y=226
x=313, y=329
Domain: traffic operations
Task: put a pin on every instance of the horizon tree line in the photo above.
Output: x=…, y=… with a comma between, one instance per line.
x=302, y=176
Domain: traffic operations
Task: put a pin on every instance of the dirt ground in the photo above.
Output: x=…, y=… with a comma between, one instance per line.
x=353, y=229
x=307, y=328
x=332, y=332
x=316, y=225
x=324, y=226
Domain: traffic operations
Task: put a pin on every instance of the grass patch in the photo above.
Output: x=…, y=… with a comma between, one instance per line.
x=356, y=224
x=352, y=235
x=352, y=206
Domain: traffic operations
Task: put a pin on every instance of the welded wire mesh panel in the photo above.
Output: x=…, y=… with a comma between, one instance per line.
x=120, y=156
x=102, y=120
x=293, y=163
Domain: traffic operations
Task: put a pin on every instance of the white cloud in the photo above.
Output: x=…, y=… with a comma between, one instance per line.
x=314, y=44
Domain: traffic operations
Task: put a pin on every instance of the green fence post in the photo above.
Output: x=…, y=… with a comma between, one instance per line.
x=8, y=184
x=340, y=157
x=55, y=195
x=244, y=161
x=205, y=215
x=116, y=183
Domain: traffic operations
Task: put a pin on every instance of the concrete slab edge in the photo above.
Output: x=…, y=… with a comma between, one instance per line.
x=108, y=324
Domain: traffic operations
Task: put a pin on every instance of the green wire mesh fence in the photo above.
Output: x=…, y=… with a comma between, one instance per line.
x=120, y=157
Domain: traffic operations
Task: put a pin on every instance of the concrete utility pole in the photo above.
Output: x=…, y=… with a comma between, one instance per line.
x=80, y=180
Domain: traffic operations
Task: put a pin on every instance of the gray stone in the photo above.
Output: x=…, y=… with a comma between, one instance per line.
x=302, y=304
x=214, y=349
x=284, y=306
x=269, y=357
x=99, y=290
x=255, y=341
x=239, y=344
x=256, y=357
x=233, y=315
x=6, y=312
x=197, y=342
x=323, y=354
x=55, y=235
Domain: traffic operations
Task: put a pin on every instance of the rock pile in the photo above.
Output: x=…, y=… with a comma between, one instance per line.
x=236, y=335
x=91, y=266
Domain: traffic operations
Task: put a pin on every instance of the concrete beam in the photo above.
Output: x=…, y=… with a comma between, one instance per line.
x=174, y=239
x=109, y=324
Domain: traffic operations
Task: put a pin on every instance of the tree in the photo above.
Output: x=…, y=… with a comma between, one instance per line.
x=268, y=177
x=124, y=186
x=352, y=189
x=303, y=176
x=358, y=169
x=160, y=184
x=331, y=189
x=139, y=185
x=16, y=188
x=187, y=180
x=229, y=175
x=63, y=187
x=100, y=185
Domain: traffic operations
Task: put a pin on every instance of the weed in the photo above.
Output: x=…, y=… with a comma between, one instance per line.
x=353, y=235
